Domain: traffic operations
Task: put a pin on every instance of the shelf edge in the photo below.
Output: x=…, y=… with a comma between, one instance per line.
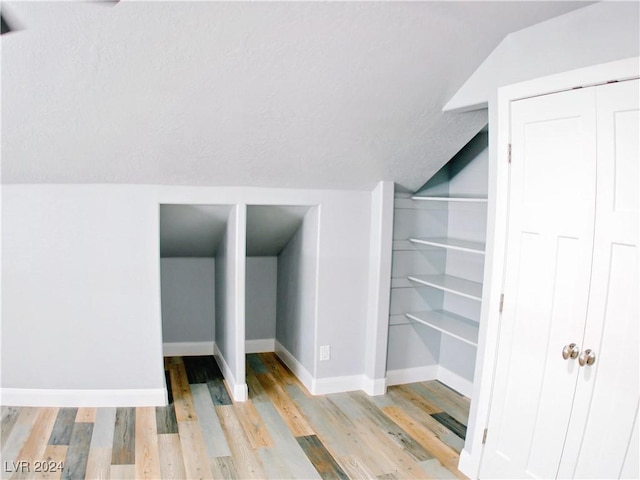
x=441, y=330
x=445, y=289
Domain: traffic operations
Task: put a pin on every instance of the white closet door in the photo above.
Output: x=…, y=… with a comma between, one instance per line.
x=607, y=392
x=549, y=249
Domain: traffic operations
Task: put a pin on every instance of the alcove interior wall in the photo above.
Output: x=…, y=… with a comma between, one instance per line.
x=281, y=272
x=190, y=237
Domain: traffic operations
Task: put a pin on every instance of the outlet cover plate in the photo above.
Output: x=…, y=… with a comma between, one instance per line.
x=325, y=352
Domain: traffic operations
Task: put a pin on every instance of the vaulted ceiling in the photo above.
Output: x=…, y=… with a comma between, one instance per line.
x=292, y=94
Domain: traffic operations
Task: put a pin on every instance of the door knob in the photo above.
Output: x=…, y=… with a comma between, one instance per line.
x=570, y=351
x=588, y=357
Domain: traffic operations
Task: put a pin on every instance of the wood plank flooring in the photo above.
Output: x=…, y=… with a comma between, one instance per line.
x=414, y=431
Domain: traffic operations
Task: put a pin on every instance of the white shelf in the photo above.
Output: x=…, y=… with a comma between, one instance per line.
x=448, y=323
x=458, y=198
x=451, y=243
x=451, y=284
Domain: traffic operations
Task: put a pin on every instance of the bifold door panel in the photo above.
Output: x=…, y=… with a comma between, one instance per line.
x=565, y=392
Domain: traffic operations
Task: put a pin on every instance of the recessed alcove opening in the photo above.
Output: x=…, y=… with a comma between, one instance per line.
x=190, y=236
x=281, y=282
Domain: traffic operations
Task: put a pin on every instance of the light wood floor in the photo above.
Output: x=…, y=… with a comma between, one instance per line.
x=414, y=431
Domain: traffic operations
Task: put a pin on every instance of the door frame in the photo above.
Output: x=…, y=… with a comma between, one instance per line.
x=497, y=230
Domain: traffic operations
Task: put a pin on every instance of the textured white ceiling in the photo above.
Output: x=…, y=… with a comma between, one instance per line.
x=292, y=94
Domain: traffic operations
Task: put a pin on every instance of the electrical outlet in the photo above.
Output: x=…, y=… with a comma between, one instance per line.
x=325, y=352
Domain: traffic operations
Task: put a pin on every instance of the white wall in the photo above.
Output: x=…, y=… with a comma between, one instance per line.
x=261, y=291
x=598, y=33
x=343, y=274
x=81, y=292
x=412, y=346
x=188, y=299
x=224, y=295
x=380, y=260
x=230, y=302
x=81, y=282
x=297, y=292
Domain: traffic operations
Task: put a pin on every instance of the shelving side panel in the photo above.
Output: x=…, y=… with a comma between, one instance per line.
x=408, y=350
x=405, y=300
x=409, y=223
x=411, y=262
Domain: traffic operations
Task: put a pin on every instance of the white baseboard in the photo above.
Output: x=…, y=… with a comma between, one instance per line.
x=466, y=464
x=431, y=372
x=239, y=391
x=412, y=375
x=455, y=381
x=374, y=386
x=37, y=397
x=324, y=386
x=261, y=345
x=179, y=349
x=296, y=367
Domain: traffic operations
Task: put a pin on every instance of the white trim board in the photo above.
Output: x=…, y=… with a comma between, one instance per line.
x=239, y=391
x=180, y=349
x=296, y=367
x=412, y=375
x=431, y=372
x=348, y=383
x=374, y=386
x=185, y=349
x=455, y=381
x=324, y=386
x=465, y=462
x=41, y=397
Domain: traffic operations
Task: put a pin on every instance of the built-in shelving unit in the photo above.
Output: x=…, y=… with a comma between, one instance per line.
x=437, y=272
x=449, y=323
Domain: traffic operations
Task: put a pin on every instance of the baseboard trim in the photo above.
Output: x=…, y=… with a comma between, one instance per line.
x=180, y=349
x=239, y=391
x=466, y=464
x=296, y=367
x=260, y=345
x=325, y=386
x=374, y=386
x=455, y=381
x=412, y=375
x=39, y=397
x=431, y=372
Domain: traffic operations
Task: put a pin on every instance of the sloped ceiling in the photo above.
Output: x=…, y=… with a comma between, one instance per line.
x=270, y=227
x=599, y=33
x=305, y=95
x=196, y=230
x=192, y=230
